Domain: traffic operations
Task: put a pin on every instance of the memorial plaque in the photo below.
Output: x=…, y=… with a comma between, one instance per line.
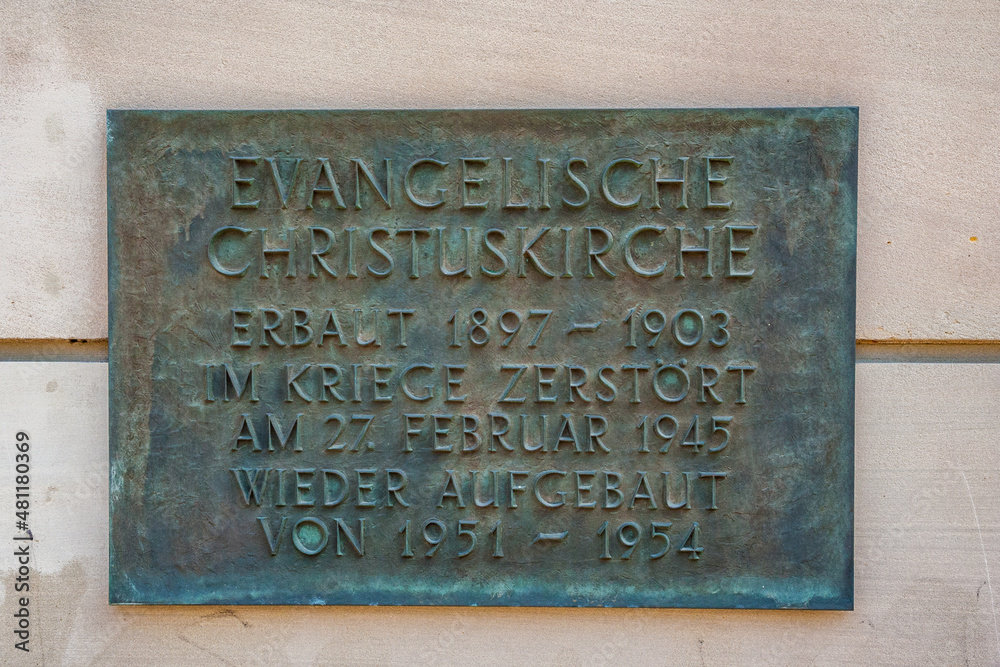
x=565, y=358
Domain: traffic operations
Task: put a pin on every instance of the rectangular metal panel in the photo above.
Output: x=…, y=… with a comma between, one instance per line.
x=561, y=357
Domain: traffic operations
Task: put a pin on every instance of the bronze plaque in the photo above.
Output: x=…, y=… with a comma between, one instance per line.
x=561, y=357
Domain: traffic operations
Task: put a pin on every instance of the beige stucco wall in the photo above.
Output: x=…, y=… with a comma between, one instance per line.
x=923, y=73
x=927, y=79
x=927, y=558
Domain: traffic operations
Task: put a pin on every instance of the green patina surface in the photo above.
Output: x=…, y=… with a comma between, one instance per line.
x=656, y=439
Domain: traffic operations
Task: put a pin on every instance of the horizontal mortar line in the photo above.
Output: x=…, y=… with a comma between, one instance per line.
x=866, y=351
x=54, y=349
x=928, y=351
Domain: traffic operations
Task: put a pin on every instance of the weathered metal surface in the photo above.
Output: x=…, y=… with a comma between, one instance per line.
x=528, y=383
